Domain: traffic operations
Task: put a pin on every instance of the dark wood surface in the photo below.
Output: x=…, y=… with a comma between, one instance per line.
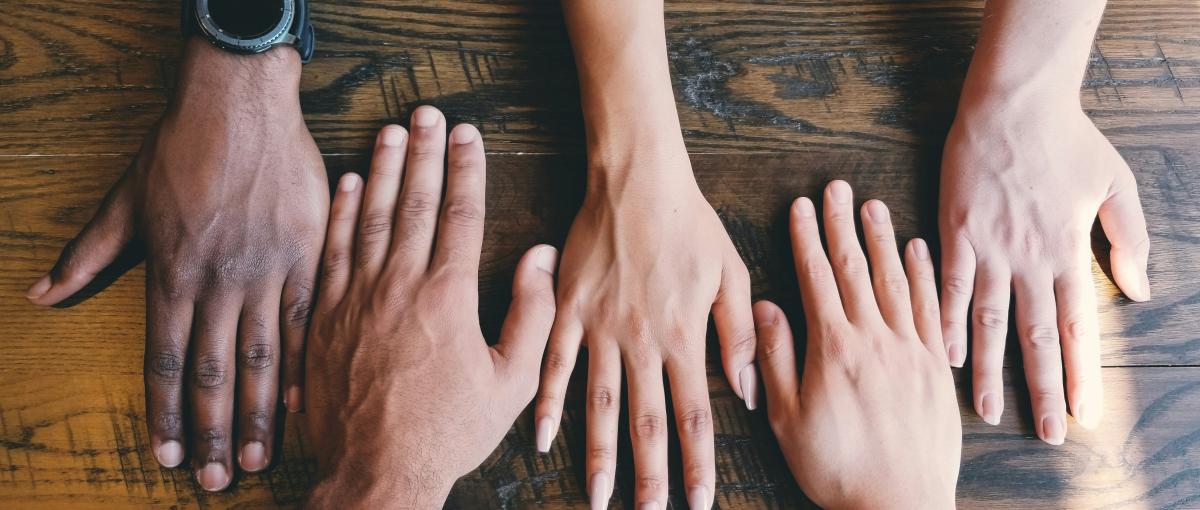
x=775, y=99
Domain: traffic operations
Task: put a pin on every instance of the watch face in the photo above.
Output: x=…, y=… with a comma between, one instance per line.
x=246, y=19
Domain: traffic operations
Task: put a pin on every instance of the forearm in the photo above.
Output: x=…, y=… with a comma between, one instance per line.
x=624, y=80
x=1031, y=52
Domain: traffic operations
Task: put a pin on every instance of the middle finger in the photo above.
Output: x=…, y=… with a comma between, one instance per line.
x=212, y=384
x=849, y=263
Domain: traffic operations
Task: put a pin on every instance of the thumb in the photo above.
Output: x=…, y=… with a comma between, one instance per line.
x=1125, y=227
x=527, y=326
x=93, y=249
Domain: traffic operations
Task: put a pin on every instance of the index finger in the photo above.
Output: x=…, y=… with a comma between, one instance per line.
x=818, y=291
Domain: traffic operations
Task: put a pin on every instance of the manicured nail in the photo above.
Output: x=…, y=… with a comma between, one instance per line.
x=213, y=477
x=1086, y=416
x=39, y=288
x=698, y=498
x=545, y=433
x=253, y=456
x=748, y=380
x=920, y=249
x=1052, y=430
x=1143, y=291
x=546, y=258
x=839, y=191
x=293, y=399
x=599, y=491
x=169, y=454
x=878, y=212
x=648, y=505
x=990, y=408
x=955, y=353
x=349, y=182
x=463, y=133
x=804, y=207
x=426, y=116
x=392, y=136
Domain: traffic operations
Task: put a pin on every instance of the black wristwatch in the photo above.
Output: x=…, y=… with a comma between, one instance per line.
x=250, y=26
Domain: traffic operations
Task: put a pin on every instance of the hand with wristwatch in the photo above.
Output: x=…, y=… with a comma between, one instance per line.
x=227, y=199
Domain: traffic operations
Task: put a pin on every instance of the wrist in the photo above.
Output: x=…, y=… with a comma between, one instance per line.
x=363, y=486
x=210, y=77
x=645, y=165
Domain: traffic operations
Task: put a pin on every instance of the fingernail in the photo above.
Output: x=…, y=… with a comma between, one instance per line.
x=748, y=380
x=990, y=408
x=839, y=191
x=426, y=116
x=649, y=505
x=1052, y=430
x=698, y=498
x=955, y=353
x=463, y=133
x=213, y=477
x=546, y=258
x=39, y=288
x=598, y=490
x=349, y=181
x=804, y=207
x=253, y=456
x=920, y=249
x=169, y=454
x=392, y=136
x=293, y=399
x=545, y=433
x=878, y=211
x=1143, y=288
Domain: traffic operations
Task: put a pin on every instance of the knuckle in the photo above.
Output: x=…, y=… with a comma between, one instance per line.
x=602, y=399
x=957, y=284
x=1042, y=337
x=174, y=282
x=417, y=202
x=991, y=318
x=743, y=343
x=650, y=426
x=695, y=420
x=850, y=264
x=601, y=453
x=815, y=267
x=167, y=367
x=650, y=483
x=214, y=438
x=557, y=363
x=209, y=373
x=1077, y=330
x=772, y=349
x=462, y=211
x=259, y=420
x=257, y=357
x=166, y=422
x=894, y=284
x=375, y=224
x=299, y=309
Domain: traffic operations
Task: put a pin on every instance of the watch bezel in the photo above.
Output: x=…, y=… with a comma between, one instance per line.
x=276, y=35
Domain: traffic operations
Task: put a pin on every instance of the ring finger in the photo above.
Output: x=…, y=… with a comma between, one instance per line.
x=212, y=385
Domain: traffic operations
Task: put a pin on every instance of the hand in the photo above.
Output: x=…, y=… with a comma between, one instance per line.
x=228, y=197
x=405, y=396
x=1021, y=187
x=643, y=265
x=873, y=422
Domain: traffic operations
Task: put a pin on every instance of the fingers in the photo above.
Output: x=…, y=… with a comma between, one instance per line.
x=530, y=317
x=565, y=338
x=648, y=428
x=339, y=240
x=1079, y=327
x=887, y=273
x=693, y=419
x=96, y=246
x=293, y=323
x=990, y=329
x=958, y=283
x=257, y=381
x=379, y=202
x=460, y=230
x=1125, y=226
x=168, y=326
x=849, y=265
x=416, y=215
x=777, y=356
x=923, y=292
x=817, y=287
x=211, y=387
x=735, y=329
x=603, y=412
x=1037, y=326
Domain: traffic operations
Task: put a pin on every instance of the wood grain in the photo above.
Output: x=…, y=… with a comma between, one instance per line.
x=775, y=99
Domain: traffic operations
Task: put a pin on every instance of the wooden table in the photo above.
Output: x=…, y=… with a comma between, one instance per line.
x=775, y=98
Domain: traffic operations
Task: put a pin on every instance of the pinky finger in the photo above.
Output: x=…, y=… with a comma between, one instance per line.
x=294, y=317
x=339, y=240
x=923, y=291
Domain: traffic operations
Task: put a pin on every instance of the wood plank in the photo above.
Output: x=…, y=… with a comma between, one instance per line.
x=79, y=77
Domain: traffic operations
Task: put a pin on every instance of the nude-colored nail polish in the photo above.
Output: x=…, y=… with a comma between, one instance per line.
x=545, y=433
x=954, y=352
x=990, y=408
x=648, y=505
x=698, y=498
x=748, y=380
x=599, y=490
